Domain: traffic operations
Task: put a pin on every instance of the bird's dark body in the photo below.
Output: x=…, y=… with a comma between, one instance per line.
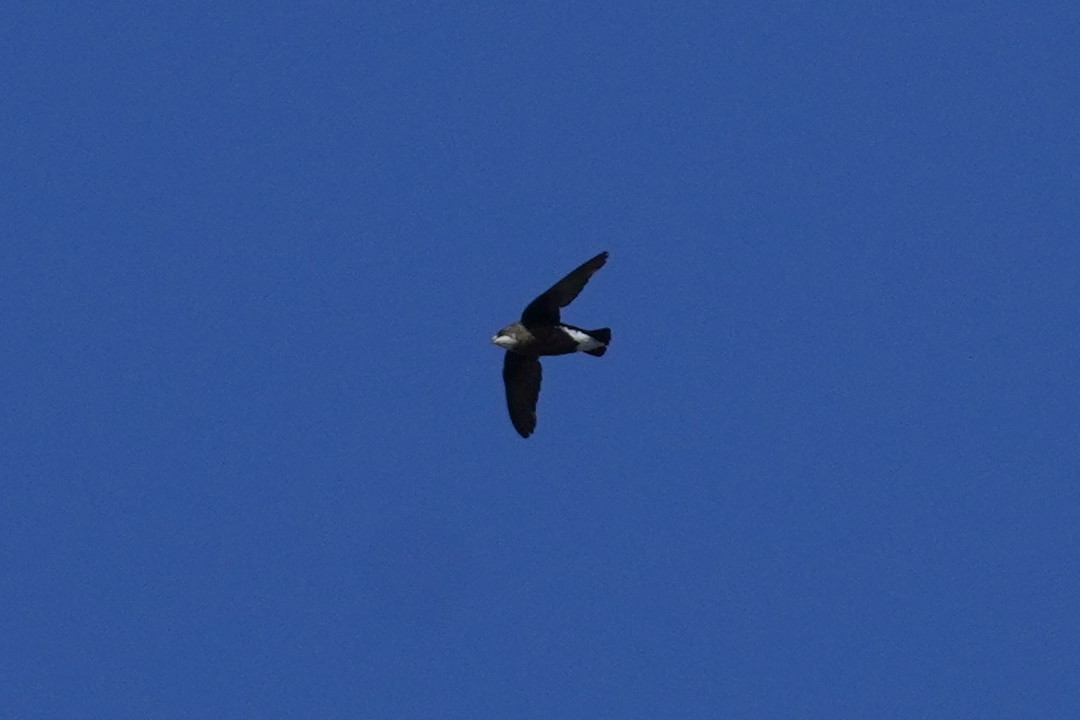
x=549, y=340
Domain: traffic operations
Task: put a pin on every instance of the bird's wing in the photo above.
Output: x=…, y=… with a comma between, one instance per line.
x=544, y=310
x=521, y=374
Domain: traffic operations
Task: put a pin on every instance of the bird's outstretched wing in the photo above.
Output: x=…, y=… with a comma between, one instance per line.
x=544, y=310
x=521, y=374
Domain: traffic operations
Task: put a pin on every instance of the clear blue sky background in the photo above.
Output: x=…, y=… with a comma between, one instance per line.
x=256, y=460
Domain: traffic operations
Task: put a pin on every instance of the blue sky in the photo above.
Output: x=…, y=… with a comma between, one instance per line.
x=255, y=454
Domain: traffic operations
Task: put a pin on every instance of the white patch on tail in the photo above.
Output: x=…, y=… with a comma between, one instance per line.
x=585, y=342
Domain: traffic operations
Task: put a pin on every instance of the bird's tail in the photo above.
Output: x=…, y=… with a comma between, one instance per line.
x=604, y=336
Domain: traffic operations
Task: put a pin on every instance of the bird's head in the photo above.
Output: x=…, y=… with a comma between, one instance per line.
x=509, y=337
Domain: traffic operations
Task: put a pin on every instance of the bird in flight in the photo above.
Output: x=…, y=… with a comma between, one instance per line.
x=540, y=332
